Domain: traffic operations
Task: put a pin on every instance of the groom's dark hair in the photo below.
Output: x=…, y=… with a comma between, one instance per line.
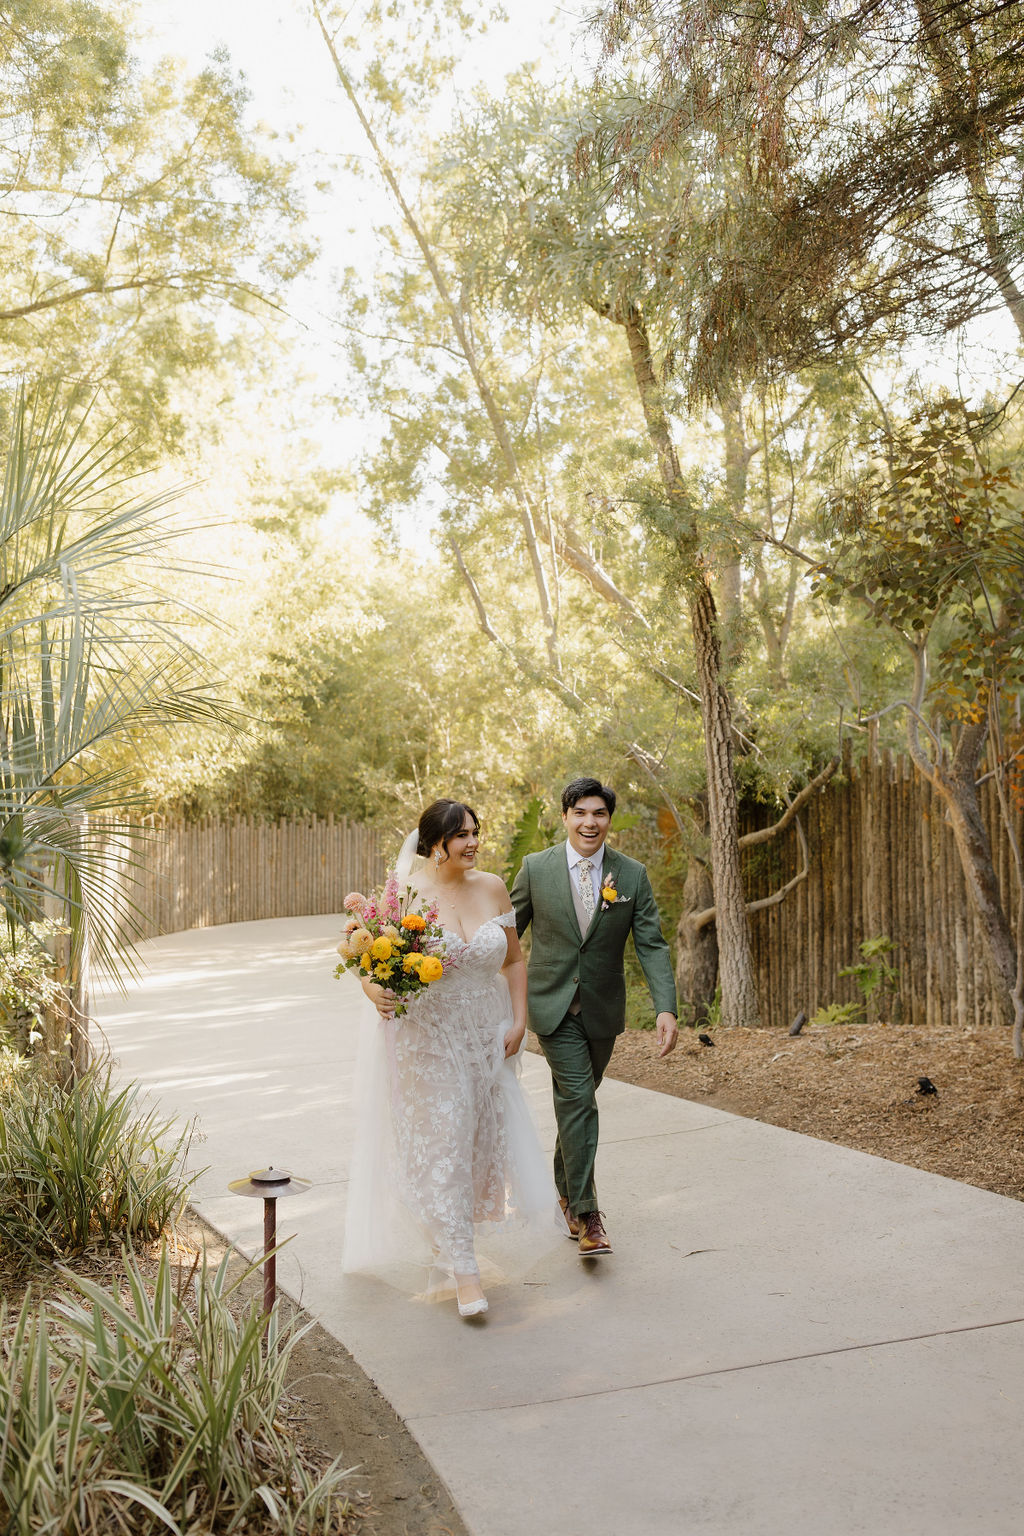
x=580, y=789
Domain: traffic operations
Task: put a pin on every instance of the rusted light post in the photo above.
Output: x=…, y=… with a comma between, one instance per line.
x=269, y=1185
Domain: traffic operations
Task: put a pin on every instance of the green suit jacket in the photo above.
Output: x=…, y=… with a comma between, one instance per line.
x=564, y=960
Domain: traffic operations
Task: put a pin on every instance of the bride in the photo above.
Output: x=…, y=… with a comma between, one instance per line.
x=445, y=1147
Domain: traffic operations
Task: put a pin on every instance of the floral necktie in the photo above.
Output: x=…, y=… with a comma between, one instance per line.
x=586, y=887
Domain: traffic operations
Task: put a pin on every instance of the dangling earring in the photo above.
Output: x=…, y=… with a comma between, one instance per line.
x=437, y=858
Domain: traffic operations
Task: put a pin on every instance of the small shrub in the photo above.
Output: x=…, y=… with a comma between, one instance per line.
x=28, y=988
x=155, y=1410
x=873, y=970
x=838, y=1013
x=84, y=1165
x=639, y=1013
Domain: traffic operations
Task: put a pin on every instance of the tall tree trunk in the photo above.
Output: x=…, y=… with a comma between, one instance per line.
x=697, y=953
x=957, y=787
x=737, y=463
x=739, y=993
x=959, y=790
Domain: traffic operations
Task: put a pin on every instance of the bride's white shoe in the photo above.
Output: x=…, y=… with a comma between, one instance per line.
x=474, y=1306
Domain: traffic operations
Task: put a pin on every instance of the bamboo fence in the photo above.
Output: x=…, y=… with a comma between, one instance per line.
x=179, y=875
x=883, y=863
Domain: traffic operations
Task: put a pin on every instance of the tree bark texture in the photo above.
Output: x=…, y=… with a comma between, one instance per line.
x=737, y=464
x=959, y=790
x=739, y=993
x=697, y=953
x=735, y=959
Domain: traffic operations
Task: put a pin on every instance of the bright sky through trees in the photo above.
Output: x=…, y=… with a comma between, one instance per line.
x=296, y=95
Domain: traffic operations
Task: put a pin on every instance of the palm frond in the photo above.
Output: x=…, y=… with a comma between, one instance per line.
x=90, y=655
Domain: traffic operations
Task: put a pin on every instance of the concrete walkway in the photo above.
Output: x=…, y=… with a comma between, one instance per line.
x=792, y=1339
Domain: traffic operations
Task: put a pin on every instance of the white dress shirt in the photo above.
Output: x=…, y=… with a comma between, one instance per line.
x=596, y=863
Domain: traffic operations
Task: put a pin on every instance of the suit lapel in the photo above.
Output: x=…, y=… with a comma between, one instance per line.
x=563, y=881
x=610, y=868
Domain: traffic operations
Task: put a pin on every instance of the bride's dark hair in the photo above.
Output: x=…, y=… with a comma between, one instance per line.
x=440, y=822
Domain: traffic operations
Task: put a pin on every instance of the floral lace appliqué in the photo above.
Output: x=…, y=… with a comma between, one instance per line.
x=447, y=1107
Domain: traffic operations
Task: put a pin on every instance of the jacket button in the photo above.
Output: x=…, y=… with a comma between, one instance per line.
x=575, y=980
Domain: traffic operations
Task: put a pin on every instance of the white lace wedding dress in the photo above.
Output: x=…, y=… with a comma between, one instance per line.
x=446, y=1151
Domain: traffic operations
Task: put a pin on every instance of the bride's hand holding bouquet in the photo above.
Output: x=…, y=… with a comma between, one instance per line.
x=396, y=947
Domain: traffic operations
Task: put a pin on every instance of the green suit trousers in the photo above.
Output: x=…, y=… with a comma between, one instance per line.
x=577, y=1065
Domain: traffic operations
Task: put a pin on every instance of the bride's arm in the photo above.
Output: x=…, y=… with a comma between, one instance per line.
x=514, y=972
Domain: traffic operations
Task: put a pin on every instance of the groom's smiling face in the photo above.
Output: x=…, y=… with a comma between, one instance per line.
x=587, y=824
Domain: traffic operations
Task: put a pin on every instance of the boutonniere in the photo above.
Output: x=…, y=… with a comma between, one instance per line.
x=609, y=893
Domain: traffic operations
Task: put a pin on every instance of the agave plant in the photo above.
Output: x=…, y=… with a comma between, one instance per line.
x=92, y=655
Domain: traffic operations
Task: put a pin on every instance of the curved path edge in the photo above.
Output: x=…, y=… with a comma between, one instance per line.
x=791, y=1339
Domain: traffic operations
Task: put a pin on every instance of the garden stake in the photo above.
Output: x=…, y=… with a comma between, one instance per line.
x=269, y=1185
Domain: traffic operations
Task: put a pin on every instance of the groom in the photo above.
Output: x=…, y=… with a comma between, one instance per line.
x=584, y=900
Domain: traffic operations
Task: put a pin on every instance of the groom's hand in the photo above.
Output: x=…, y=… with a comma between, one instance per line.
x=667, y=1031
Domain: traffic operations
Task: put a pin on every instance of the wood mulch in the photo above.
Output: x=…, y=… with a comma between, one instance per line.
x=858, y=1084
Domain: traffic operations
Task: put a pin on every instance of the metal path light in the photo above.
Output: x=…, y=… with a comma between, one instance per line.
x=269, y=1185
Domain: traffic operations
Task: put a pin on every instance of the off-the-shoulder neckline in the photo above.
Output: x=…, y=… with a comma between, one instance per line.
x=503, y=919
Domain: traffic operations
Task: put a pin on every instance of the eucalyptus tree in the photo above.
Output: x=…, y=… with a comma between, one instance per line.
x=384, y=77
x=544, y=237
x=147, y=226
x=877, y=147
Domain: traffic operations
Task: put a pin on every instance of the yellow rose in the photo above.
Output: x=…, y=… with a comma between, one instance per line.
x=609, y=893
x=414, y=922
x=411, y=962
x=381, y=949
x=366, y=962
x=431, y=969
x=361, y=941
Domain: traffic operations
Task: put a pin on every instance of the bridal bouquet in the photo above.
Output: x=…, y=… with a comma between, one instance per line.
x=393, y=942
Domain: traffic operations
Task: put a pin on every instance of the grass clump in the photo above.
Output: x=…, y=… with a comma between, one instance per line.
x=84, y=1165
x=152, y=1408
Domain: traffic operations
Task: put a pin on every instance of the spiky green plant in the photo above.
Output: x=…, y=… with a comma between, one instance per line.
x=530, y=833
x=85, y=1165
x=91, y=654
x=154, y=1408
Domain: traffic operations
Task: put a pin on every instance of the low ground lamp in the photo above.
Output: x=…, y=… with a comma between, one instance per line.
x=269, y=1185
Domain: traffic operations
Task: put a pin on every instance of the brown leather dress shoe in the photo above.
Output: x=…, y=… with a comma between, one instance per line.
x=570, y=1220
x=593, y=1239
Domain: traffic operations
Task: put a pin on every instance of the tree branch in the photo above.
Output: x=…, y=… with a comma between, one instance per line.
x=699, y=920
x=456, y=315
x=766, y=834
x=546, y=680
x=570, y=547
